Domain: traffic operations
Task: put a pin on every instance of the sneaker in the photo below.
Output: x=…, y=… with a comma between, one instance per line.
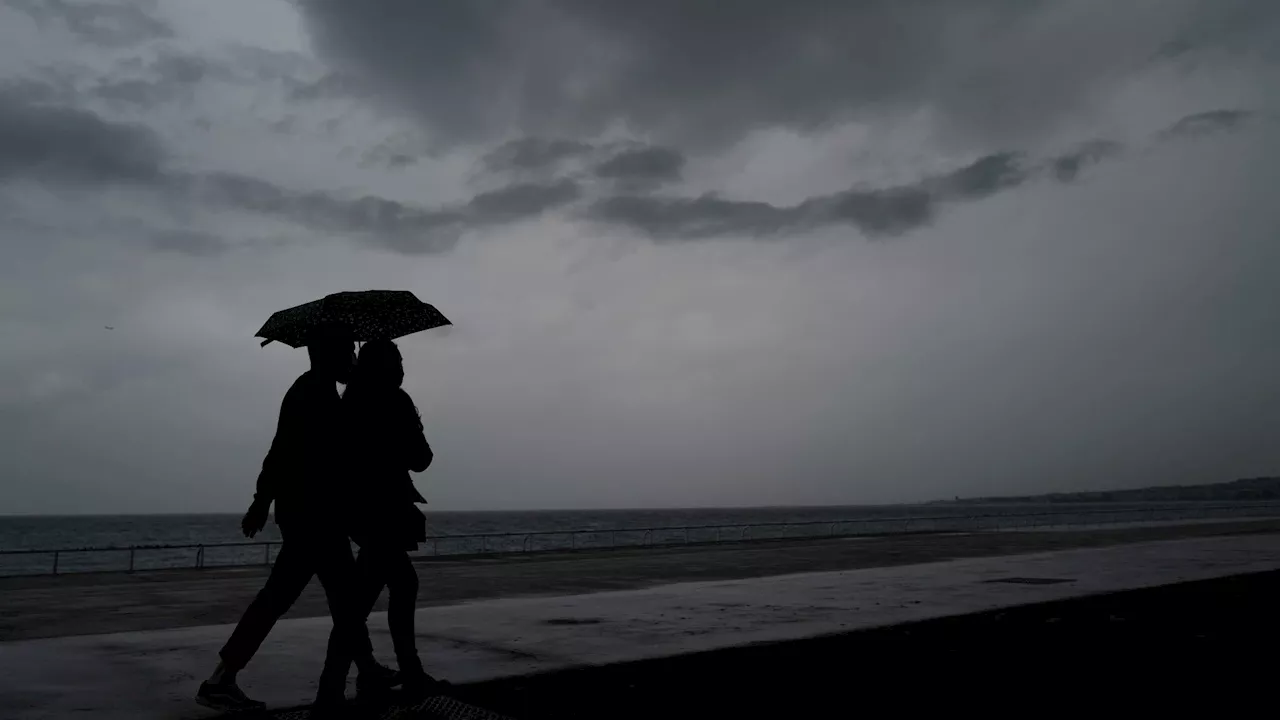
x=376, y=680
x=226, y=697
x=329, y=706
x=419, y=685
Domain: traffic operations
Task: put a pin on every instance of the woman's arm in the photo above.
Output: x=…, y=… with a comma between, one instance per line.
x=418, y=453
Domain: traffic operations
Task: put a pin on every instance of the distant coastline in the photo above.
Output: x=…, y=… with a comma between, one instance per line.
x=1260, y=488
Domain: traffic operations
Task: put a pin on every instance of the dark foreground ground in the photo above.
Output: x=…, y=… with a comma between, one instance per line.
x=1194, y=649
x=1206, y=647
x=51, y=606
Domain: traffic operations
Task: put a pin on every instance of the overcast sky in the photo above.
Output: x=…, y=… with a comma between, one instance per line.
x=696, y=253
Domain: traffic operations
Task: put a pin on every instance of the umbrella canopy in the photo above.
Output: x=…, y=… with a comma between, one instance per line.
x=368, y=314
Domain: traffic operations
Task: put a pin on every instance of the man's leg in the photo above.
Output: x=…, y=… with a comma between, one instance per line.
x=349, y=638
x=289, y=577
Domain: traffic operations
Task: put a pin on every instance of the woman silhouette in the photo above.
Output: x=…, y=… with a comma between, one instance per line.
x=387, y=442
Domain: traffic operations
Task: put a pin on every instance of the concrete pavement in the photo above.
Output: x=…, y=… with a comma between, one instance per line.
x=49, y=606
x=152, y=674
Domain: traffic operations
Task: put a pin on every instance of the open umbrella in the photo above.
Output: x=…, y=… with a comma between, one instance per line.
x=369, y=314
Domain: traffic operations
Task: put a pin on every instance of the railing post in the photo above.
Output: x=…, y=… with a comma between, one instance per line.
x=199, y=556
x=573, y=541
x=55, y=562
x=434, y=549
x=131, y=552
x=266, y=553
x=613, y=538
x=686, y=536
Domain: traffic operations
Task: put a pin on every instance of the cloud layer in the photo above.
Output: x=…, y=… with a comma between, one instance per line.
x=64, y=144
x=706, y=73
x=697, y=253
x=67, y=144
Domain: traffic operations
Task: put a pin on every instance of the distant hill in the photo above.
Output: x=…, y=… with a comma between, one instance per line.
x=1263, y=488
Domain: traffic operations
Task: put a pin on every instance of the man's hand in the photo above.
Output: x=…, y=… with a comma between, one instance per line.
x=255, y=519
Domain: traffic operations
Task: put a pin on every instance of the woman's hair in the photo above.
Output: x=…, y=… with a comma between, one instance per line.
x=379, y=363
x=379, y=368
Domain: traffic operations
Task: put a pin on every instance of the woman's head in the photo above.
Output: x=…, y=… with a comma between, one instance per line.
x=379, y=365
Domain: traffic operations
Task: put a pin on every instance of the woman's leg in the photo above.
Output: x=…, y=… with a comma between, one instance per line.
x=402, y=603
x=371, y=577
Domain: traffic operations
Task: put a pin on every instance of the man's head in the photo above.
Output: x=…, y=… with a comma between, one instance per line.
x=332, y=352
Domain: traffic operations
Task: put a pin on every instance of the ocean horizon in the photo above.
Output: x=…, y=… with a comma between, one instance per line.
x=49, y=532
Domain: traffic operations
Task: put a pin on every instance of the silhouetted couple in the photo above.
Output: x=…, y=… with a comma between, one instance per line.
x=338, y=470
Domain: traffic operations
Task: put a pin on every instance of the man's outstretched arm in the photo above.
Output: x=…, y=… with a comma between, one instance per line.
x=275, y=468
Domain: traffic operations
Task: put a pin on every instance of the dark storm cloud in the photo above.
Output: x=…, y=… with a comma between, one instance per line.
x=78, y=145
x=388, y=223
x=23, y=91
x=877, y=212
x=271, y=65
x=381, y=156
x=188, y=242
x=522, y=200
x=170, y=76
x=984, y=177
x=1068, y=166
x=285, y=125
x=692, y=72
x=533, y=154
x=646, y=164
x=184, y=69
x=385, y=222
x=68, y=144
x=331, y=86
x=395, y=152
x=64, y=145
x=1236, y=25
x=697, y=217
x=1208, y=122
x=135, y=92
x=110, y=24
x=714, y=69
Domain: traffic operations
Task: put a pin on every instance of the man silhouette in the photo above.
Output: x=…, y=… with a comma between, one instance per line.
x=302, y=475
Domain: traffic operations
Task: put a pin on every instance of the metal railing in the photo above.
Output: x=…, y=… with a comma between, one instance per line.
x=239, y=554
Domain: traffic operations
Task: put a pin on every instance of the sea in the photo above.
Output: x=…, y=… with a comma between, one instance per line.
x=123, y=542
